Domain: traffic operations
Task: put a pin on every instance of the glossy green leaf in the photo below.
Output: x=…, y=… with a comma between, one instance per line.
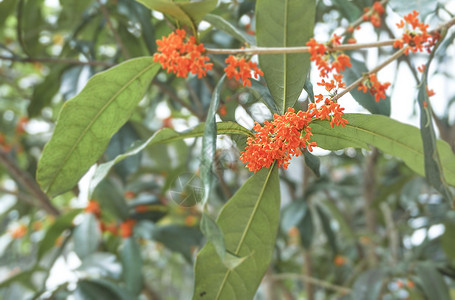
x=432, y=282
x=249, y=222
x=390, y=136
x=111, y=199
x=221, y=24
x=348, y=9
x=287, y=23
x=433, y=168
x=86, y=236
x=89, y=120
x=63, y=223
x=131, y=258
x=166, y=135
x=209, y=142
x=357, y=70
x=178, y=238
x=368, y=285
x=327, y=228
x=96, y=289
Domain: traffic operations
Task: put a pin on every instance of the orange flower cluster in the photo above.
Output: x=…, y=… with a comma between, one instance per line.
x=241, y=69
x=181, y=55
x=418, y=37
x=375, y=88
x=328, y=62
x=374, y=16
x=286, y=135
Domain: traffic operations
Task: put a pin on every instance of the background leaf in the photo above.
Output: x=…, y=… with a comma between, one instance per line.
x=249, y=222
x=131, y=258
x=88, y=121
x=86, y=236
x=287, y=23
x=432, y=281
x=368, y=285
x=221, y=24
x=390, y=136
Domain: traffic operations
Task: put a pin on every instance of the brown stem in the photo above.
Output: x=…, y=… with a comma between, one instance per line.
x=28, y=183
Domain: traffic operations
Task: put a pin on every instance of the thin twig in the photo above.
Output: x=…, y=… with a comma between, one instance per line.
x=324, y=284
x=55, y=61
x=283, y=50
x=395, y=56
x=28, y=183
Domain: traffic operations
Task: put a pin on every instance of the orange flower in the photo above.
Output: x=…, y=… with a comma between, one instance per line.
x=19, y=232
x=181, y=55
x=430, y=92
x=374, y=15
x=287, y=135
x=339, y=260
x=112, y=228
x=416, y=39
x=126, y=228
x=241, y=69
x=375, y=88
x=94, y=208
x=141, y=208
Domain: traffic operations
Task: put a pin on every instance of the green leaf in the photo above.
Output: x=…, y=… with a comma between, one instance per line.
x=63, y=223
x=189, y=13
x=448, y=239
x=30, y=26
x=433, y=169
x=131, y=258
x=313, y=162
x=382, y=107
x=432, y=282
x=221, y=24
x=6, y=8
x=165, y=135
x=86, y=236
x=249, y=222
x=262, y=92
x=327, y=228
x=96, y=289
x=111, y=199
x=89, y=120
x=390, y=136
x=368, y=285
x=298, y=214
x=287, y=23
x=348, y=9
x=209, y=142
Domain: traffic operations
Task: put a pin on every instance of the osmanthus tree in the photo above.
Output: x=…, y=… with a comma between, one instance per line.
x=195, y=123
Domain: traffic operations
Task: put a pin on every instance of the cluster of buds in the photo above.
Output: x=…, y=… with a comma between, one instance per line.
x=374, y=14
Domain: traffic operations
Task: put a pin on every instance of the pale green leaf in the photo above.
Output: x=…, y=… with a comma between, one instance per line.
x=249, y=222
x=388, y=135
x=89, y=120
x=287, y=23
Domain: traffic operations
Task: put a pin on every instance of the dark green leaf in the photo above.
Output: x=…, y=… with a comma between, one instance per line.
x=111, y=199
x=348, y=9
x=448, y=239
x=327, y=228
x=31, y=24
x=249, y=222
x=178, y=238
x=263, y=93
x=390, y=136
x=86, y=236
x=88, y=121
x=287, y=23
x=312, y=162
x=432, y=282
x=221, y=24
x=382, y=107
x=368, y=285
x=93, y=289
x=433, y=168
x=132, y=265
